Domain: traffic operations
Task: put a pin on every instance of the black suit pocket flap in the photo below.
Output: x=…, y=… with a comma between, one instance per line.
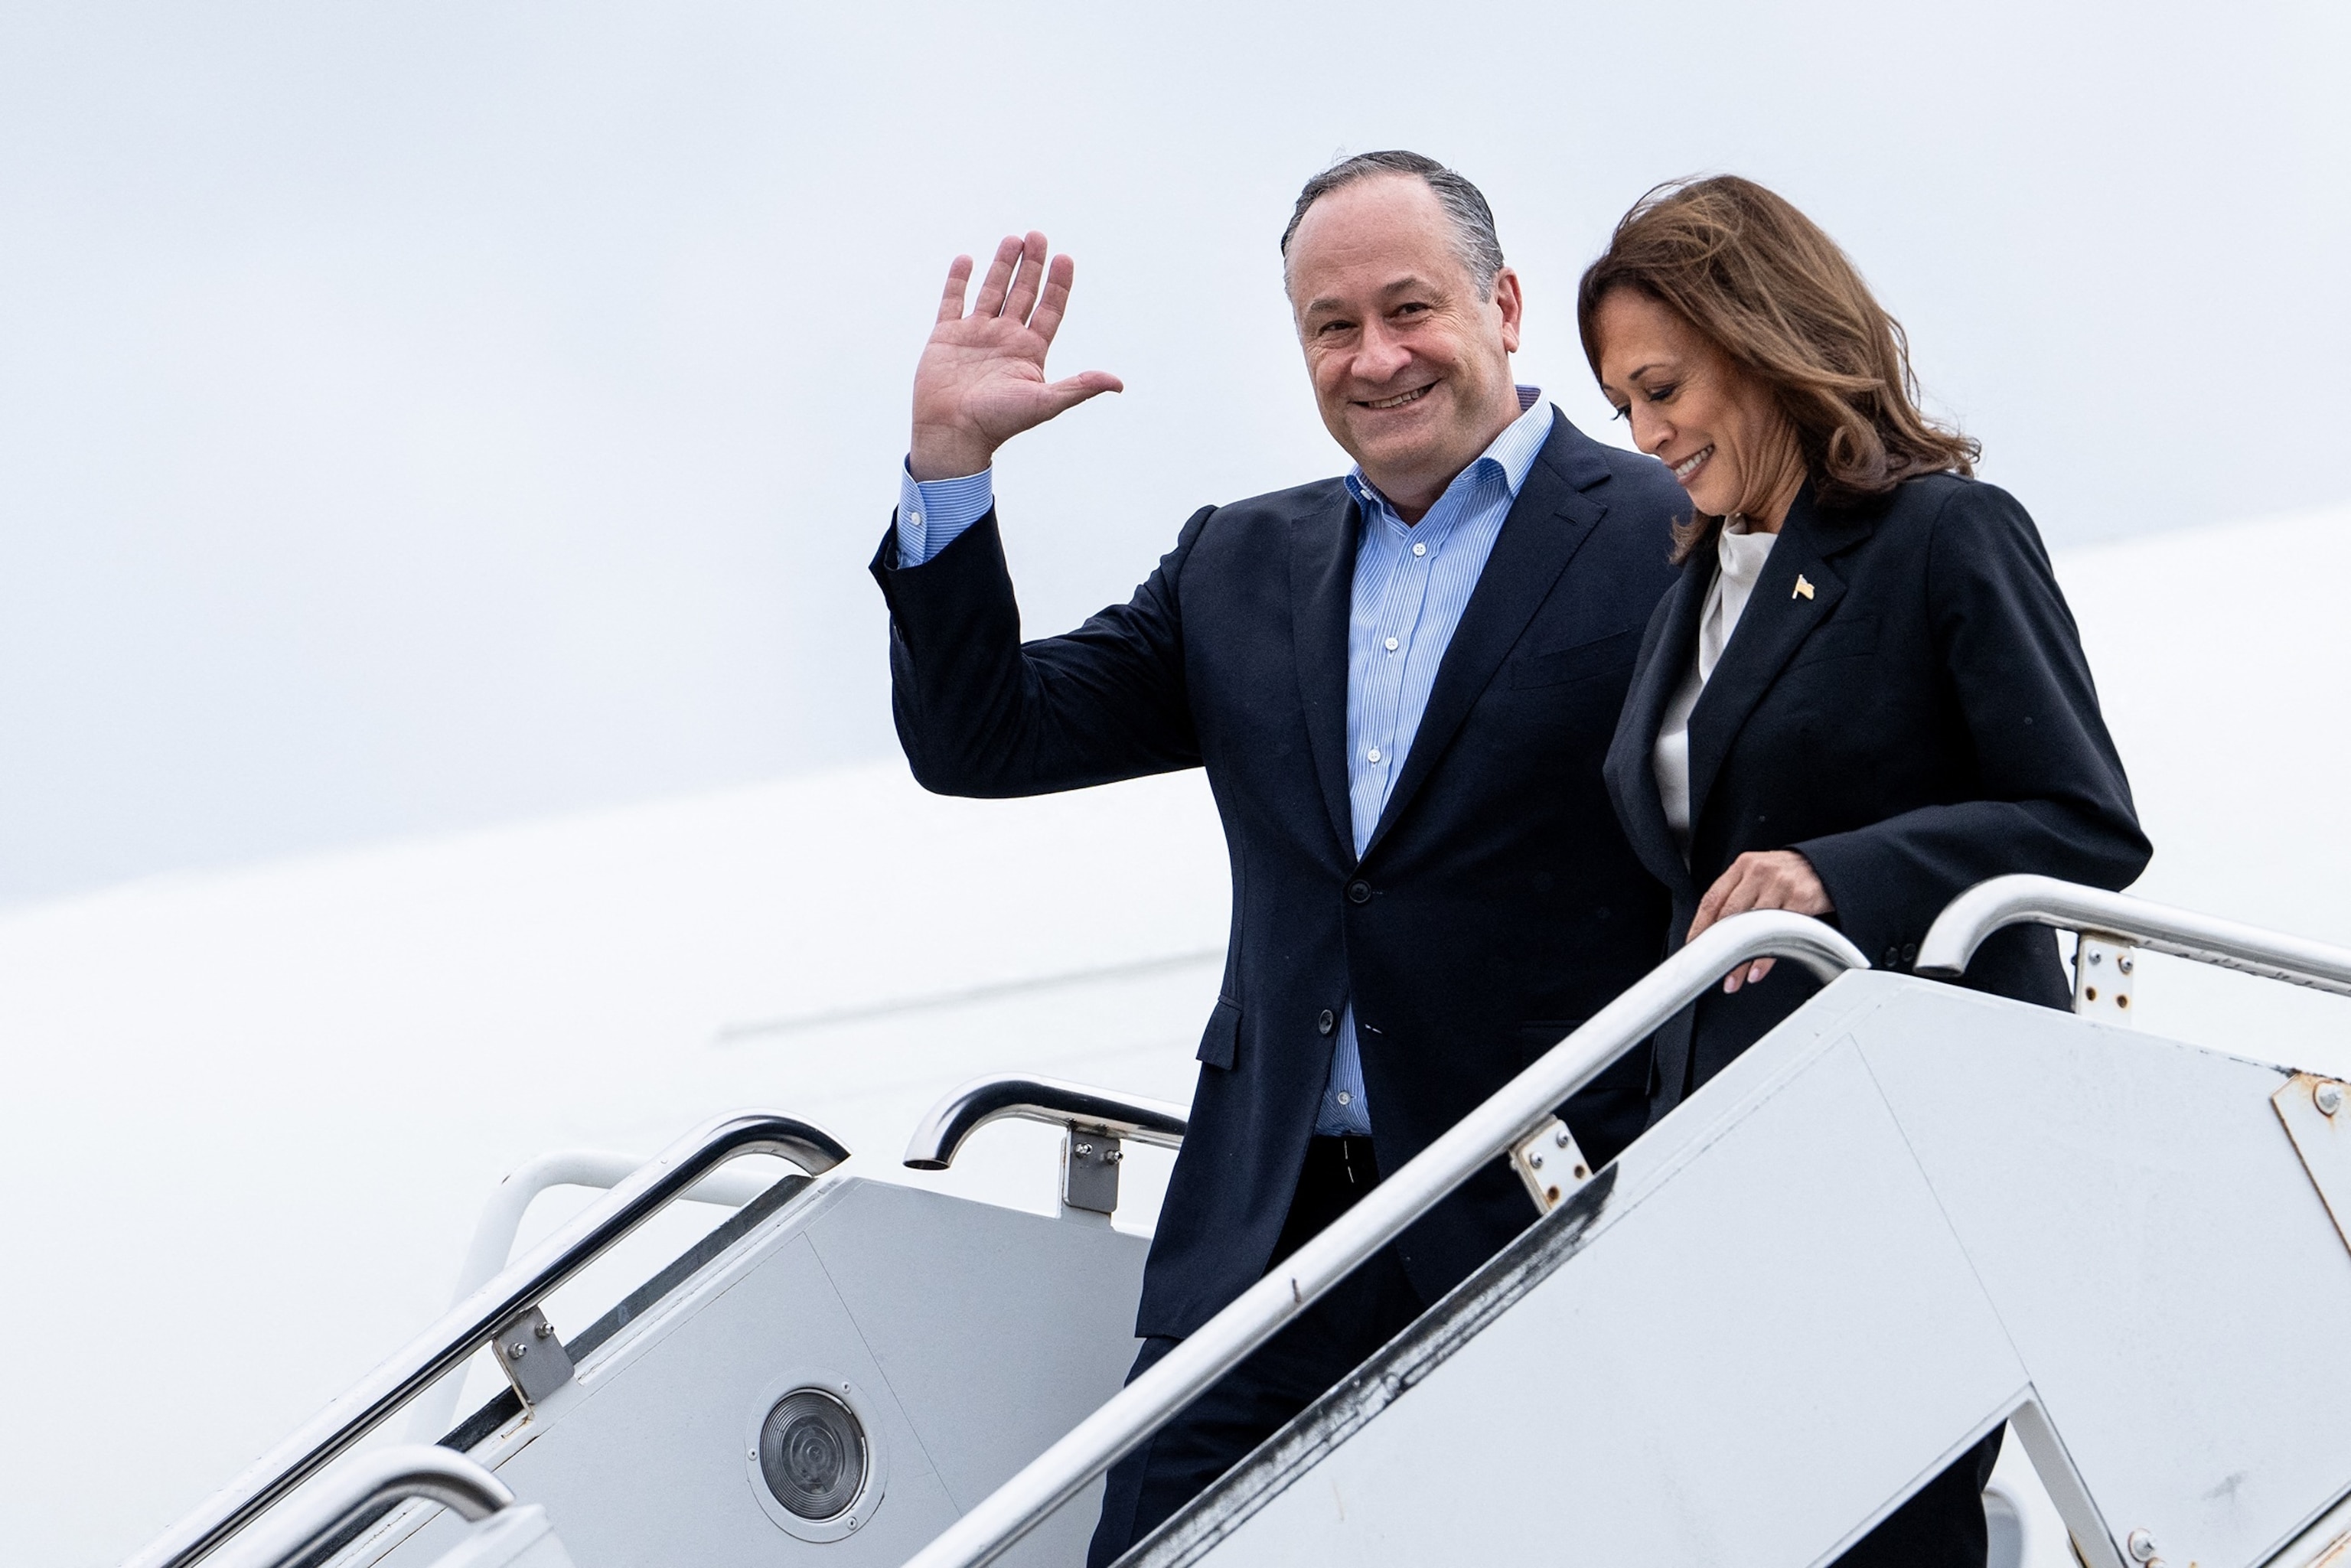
x=1223, y=1033
x=1580, y=661
x=1846, y=637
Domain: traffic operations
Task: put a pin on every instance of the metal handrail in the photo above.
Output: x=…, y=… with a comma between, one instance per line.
x=413, y=1470
x=1507, y=1117
x=968, y=1109
x=467, y=1326
x=494, y=1238
x=2007, y=901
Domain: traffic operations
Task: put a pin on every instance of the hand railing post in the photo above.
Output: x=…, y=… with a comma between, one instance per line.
x=1095, y=1125
x=2119, y=923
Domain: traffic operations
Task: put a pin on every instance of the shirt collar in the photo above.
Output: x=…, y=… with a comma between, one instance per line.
x=1512, y=454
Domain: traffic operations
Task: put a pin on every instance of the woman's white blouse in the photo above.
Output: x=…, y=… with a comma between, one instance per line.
x=1741, y=553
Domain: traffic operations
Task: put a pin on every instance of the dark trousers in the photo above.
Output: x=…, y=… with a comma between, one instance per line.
x=1283, y=1377
x=1941, y=1526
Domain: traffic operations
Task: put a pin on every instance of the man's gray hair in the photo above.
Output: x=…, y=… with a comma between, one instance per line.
x=1474, y=239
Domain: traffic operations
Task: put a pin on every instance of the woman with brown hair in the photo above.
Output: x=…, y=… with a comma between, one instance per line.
x=1865, y=693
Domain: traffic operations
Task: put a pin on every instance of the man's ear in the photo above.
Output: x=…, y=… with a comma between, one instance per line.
x=1512, y=304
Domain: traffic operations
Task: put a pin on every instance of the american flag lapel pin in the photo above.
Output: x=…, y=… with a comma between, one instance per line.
x=1803, y=587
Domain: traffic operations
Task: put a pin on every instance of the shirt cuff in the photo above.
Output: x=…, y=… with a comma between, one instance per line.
x=1343, y=1113
x=933, y=512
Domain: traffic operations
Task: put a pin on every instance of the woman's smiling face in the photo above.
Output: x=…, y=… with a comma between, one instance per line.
x=1691, y=406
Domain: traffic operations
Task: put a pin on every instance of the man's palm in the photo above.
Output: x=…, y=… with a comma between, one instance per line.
x=981, y=379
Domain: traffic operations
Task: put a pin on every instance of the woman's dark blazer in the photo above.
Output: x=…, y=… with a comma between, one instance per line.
x=1920, y=719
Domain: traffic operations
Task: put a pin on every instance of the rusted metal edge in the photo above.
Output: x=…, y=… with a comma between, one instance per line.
x=1531, y=1258
x=2316, y=1114
x=2327, y=1543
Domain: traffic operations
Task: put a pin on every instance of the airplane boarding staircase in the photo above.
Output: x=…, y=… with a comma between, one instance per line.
x=1912, y=1213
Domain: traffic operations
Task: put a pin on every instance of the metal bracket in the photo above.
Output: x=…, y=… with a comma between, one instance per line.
x=2317, y=1117
x=1090, y=1162
x=531, y=1357
x=2103, y=969
x=1551, y=1164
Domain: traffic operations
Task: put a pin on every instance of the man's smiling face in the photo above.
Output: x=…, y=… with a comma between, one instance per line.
x=1411, y=364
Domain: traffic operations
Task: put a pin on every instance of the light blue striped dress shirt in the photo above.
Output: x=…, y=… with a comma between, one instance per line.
x=1412, y=582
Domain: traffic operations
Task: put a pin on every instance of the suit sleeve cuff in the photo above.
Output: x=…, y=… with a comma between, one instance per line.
x=933, y=512
x=1854, y=868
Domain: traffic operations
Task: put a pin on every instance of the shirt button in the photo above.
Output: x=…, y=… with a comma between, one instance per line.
x=916, y=519
x=1346, y=1098
x=1327, y=1022
x=1359, y=892
x=1372, y=754
x=1420, y=550
x=1392, y=641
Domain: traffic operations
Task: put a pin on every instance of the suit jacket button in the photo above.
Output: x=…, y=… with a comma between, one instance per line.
x=1359, y=892
x=1909, y=953
x=1892, y=960
x=1327, y=1022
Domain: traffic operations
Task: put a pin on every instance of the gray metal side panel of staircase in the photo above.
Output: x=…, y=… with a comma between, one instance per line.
x=1907, y=1212
x=2157, y=1253
x=974, y=1336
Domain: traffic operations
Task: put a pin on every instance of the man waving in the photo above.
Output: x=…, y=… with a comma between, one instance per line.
x=1401, y=681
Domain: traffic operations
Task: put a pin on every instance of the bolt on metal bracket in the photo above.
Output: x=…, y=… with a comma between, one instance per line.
x=531, y=1357
x=2312, y=1108
x=2104, y=969
x=1090, y=1162
x=1551, y=1163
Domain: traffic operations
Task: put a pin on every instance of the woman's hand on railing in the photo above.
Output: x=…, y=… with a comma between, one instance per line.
x=1760, y=879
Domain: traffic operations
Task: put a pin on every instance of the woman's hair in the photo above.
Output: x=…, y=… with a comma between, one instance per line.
x=1776, y=294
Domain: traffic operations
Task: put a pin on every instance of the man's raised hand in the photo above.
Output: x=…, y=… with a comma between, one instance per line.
x=981, y=381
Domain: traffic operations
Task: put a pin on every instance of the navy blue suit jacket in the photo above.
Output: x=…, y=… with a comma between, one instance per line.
x=1496, y=904
x=1921, y=720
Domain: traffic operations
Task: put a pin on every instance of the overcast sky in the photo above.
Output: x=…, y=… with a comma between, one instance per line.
x=418, y=416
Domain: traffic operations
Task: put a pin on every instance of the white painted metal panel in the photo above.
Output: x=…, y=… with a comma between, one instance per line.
x=1710, y=1380
x=1904, y=1214
x=972, y=1336
x=649, y=1469
x=2156, y=1250
x=996, y=1331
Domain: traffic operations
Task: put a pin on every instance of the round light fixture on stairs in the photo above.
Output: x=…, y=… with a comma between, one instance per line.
x=812, y=1454
x=815, y=1460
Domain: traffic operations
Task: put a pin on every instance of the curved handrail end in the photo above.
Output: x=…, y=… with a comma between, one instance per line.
x=423, y=1470
x=970, y=1106
x=1953, y=941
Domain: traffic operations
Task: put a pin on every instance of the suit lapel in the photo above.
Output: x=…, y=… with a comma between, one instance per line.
x=1322, y=597
x=1633, y=777
x=1549, y=520
x=1779, y=616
